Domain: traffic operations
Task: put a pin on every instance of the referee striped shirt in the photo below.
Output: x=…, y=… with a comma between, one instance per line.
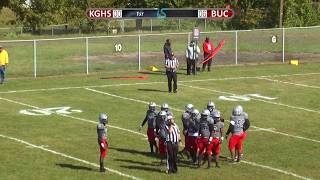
x=173, y=134
x=171, y=64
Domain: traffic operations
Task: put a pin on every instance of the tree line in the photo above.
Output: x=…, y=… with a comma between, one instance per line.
x=250, y=14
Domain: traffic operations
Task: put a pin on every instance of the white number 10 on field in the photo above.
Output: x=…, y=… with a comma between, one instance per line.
x=118, y=47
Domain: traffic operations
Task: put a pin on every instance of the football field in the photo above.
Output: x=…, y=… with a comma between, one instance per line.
x=48, y=125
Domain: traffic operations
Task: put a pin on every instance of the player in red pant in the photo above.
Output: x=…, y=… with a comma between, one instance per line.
x=150, y=117
x=102, y=139
x=215, y=139
x=203, y=137
x=238, y=121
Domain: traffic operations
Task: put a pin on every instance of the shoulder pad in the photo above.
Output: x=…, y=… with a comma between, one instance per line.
x=232, y=122
x=245, y=115
x=185, y=115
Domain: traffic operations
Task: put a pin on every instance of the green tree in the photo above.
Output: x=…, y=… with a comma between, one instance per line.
x=7, y=17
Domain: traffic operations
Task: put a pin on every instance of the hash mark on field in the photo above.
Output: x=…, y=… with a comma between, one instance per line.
x=248, y=162
x=286, y=82
x=146, y=83
x=67, y=156
x=180, y=110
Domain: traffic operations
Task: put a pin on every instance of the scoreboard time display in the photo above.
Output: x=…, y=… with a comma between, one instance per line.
x=108, y=13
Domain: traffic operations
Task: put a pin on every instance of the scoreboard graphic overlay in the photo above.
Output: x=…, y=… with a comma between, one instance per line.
x=109, y=13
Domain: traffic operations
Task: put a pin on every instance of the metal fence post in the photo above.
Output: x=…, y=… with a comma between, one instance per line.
x=189, y=37
x=139, y=53
x=236, y=47
x=87, y=54
x=34, y=58
x=283, y=33
x=151, y=25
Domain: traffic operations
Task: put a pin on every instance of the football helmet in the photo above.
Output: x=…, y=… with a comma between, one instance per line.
x=164, y=107
x=205, y=112
x=189, y=108
x=103, y=118
x=152, y=106
x=216, y=114
x=211, y=106
x=237, y=110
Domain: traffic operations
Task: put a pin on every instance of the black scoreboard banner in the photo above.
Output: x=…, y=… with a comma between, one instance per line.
x=109, y=13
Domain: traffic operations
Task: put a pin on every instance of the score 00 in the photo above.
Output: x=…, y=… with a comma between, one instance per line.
x=118, y=47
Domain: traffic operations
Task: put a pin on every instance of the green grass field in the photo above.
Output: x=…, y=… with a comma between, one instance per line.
x=282, y=143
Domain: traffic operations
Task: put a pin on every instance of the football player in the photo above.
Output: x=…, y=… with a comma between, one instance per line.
x=216, y=138
x=161, y=133
x=151, y=116
x=236, y=126
x=186, y=118
x=212, y=108
x=102, y=139
x=245, y=128
x=193, y=132
x=203, y=136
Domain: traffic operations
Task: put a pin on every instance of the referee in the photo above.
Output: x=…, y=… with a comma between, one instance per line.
x=172, y=140
x=171, y=65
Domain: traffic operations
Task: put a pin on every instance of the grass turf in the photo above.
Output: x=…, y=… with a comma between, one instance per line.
x=128, y=152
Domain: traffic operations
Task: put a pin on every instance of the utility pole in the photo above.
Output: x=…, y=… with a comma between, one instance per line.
x=281, y=14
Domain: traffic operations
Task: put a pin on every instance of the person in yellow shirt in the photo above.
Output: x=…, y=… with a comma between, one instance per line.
x=4, y=61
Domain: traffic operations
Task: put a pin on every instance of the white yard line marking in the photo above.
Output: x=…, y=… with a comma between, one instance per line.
x=73, y=117
x=275, y=169
x=179, y=110
x=68, y=156
x=248, y=162
x=269, y=102
x=125, y=98
x=286, y=82
x=146, y=83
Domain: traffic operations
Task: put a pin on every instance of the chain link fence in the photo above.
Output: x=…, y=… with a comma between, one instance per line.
x=47, y=57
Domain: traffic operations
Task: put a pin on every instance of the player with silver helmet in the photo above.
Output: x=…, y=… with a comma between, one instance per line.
x=161, y=123
x=239, y=123
x=216, y=138
x=203, y=136
x=193, y=132
x=186, y=118
x=150, y=117
x=102, y=138
x=212, y=108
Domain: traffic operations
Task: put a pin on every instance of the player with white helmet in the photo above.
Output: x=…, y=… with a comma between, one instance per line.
x=165, y=107
x=192, y=133
x=161, y=123
x=186, y=118
x=216, y=138
x=203, y=136
x=151, y=117
x=212, y=108
x=102, y=138
x=239, y=123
